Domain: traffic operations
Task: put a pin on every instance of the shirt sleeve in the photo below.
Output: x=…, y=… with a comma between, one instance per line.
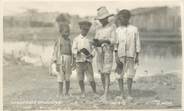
x=116, y=41
x=92, y=48
x=138, y=43
x=74, y=47
x=113, y=35
x=54, y=55
x=96, y=35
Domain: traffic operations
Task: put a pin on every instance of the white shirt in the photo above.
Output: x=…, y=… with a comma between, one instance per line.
x=128, y=41
x=79, y=43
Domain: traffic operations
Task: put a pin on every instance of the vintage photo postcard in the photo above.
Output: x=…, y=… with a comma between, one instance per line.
x=92, y=55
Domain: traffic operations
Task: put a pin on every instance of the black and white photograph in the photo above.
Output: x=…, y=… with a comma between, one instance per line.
x=92, y=55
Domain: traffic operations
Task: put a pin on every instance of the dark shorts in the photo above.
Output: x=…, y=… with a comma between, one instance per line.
x=85, y=68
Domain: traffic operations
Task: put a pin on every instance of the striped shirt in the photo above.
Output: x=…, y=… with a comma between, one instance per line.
x=62, y=47
x=128, y=42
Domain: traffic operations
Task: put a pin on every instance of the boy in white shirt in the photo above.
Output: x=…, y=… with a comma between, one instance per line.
x=82, y=51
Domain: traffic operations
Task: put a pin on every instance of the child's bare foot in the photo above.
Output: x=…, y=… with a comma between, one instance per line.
x=123, y=101
x=59, y=95
x=83, y=95
x=67, y=95
x=104, y=98
x=120, y=97
x=95, y=95
x=130, y=98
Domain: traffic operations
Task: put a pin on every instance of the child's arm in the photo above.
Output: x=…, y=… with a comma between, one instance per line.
x=137, y=46
x=74, y=48
x=54, y=54
x=74, y=54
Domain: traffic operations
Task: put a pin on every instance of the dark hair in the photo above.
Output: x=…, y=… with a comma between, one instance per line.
x=63, y=18
x=84, y=24
x=126, y=13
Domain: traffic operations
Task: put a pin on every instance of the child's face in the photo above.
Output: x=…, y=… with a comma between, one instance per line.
x=84, y=31
x=65, y=32
x=104, y=21
x=123, y=20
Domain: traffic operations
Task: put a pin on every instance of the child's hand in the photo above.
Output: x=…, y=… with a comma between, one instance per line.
x=105, y=41
x=58, y=68
x=73, y=64
x=137, y=59
x=96, y=43
x=117, y=60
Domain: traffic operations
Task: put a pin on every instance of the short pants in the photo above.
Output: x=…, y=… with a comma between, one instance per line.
x=84, y=68
x=64, y=68
x=127, y=70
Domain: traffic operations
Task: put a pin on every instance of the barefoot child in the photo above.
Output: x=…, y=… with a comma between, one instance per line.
x=127, y=53
x=62, y=56
x=82, y=51
x=105, y=36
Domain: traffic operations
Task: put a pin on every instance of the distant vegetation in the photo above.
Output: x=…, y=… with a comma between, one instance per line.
x=160, y=28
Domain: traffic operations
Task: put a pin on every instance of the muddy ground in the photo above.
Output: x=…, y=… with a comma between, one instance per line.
x=28, y=87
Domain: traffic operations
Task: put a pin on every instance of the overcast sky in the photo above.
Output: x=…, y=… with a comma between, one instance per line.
x=82, y=8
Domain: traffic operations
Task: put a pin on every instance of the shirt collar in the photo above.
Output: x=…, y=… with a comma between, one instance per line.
x=62, y=38
x=82, y=37
x=125, y=26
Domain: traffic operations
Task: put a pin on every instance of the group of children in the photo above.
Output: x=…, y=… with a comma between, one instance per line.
x=111, y=41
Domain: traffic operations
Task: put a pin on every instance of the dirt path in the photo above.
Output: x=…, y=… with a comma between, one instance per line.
x=29, y=87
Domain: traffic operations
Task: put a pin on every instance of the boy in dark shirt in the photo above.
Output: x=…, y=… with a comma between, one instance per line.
x=63, y=57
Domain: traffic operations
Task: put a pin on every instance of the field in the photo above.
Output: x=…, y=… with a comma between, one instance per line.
x=28, y=85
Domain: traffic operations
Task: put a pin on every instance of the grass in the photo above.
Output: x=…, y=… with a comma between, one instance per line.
x=36, y=85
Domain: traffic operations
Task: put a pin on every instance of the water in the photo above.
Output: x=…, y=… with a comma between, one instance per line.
x=155, y=58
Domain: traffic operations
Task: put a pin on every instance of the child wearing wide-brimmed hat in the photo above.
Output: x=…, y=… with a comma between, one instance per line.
x=105, y=39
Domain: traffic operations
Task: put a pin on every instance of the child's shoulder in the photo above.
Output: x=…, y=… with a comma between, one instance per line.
x=132, y=27
x=76, y=38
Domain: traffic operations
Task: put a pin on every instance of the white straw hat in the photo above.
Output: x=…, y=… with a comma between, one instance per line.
x=102, y=13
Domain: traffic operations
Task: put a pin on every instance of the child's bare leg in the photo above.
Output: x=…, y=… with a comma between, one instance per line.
x=67, y=84
x=82, y=87
x=93, y=86
x=121, y=87
x=103, y=80
x=60, y=90
x=107, y=83
x=129, y=85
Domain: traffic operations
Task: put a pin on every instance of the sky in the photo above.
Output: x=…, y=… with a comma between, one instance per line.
x=82, y=8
